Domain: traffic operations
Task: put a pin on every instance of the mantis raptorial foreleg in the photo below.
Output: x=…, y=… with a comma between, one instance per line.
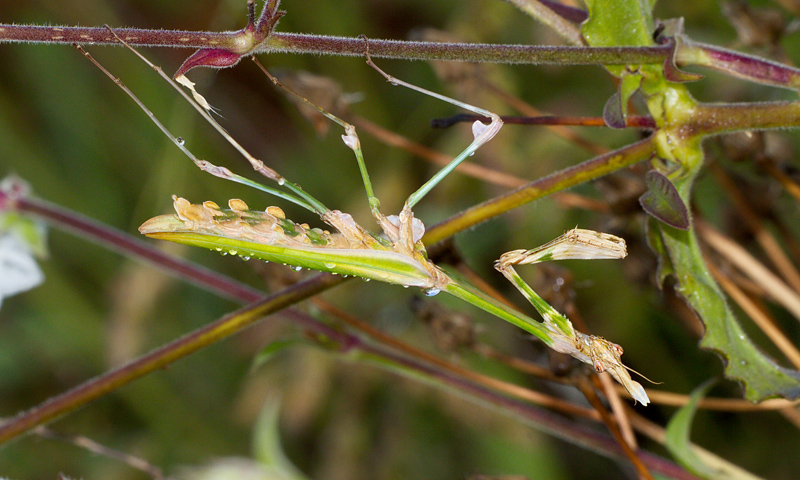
x=603, y=355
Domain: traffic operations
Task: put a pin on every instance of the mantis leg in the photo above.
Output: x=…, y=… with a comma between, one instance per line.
x=482, y=132
x=596, y=351
x=350, y=139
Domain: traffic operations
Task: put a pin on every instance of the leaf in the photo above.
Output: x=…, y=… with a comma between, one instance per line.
x=619, y=23
x=656, y=244
x=614, y=112
x=670, y=32
x=267, y=443
x=209, y=57
x=696, y=459
x=615, y=23
x=761, y=377
x=616, y=108
x=663, y=201
x=270, y=351
x=678, y=430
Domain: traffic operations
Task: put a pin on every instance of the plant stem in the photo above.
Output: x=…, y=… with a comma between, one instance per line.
x=714, y=119
x=470, y=52
x=280, y=42
x=568, y=177
x=737, y=64
x=130, y=246
x=553, y=19
x=531, y=415
x=103, y=384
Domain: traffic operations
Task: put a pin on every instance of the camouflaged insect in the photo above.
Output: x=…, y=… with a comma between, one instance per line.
x=397, y=257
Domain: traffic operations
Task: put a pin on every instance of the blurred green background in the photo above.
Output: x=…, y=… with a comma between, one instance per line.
x=81, y=143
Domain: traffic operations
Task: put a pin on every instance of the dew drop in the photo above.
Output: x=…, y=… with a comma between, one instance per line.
x=179, y=141
x=219, y=249
x=741, y=336
x=281, y=181
x=245, y=258
x=223, y=253
x=430, y=292
x=330, y=265
x=297, y=269
x=232, y=252
x=743, y=363
x=367, y=279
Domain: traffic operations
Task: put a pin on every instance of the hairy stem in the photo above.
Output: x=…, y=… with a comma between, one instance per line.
x=329, y=45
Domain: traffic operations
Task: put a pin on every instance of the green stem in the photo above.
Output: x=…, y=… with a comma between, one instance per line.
x=569, y=177
x=715, y=119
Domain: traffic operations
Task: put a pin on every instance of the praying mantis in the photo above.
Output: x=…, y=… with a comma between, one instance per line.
x=395, y=256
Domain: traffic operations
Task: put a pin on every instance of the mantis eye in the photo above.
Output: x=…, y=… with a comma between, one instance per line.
x=599, y=367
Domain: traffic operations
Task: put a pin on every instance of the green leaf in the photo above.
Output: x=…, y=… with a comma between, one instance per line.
x=761, y=377
x=268, y=353
x=267, y=447
x=678, y=430
x=656, y=244
x=619, y=23
x=663, y=201
x=697, y=460
x=616, y=108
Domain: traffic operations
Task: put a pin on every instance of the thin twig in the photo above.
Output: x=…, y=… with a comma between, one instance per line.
x=756, y=226
x=517, y=391
x=88, y=444
x=587, y=389
x=733, y=252
x=759, y=316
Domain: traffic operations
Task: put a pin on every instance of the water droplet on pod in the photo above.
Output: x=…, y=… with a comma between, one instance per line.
x=179, y=141
x=430, y=292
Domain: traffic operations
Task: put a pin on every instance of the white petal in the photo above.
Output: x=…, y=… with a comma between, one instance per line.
x=19, y=271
